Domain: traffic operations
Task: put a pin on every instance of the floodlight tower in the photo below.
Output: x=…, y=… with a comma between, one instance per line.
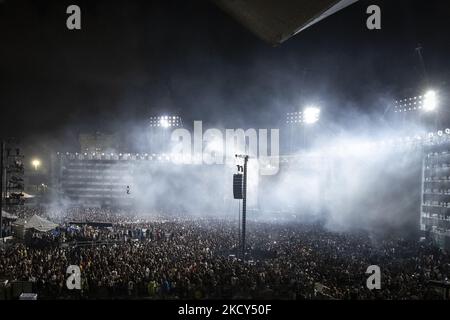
x=160, y=127
x=308, y=117
x=422, y=108
x=430, y=101
x=311, y=115
x=430, y=105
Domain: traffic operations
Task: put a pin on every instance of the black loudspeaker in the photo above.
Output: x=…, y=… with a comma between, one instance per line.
x=238, y=180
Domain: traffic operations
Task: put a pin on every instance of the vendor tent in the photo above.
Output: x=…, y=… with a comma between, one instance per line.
x=37, y=223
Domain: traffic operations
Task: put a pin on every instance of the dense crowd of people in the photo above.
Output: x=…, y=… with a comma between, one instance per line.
x=130, y=256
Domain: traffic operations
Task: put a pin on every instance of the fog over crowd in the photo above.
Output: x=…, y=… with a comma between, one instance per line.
x=350, y=179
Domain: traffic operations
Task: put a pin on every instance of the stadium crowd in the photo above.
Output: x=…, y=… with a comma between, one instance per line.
x=172, y=258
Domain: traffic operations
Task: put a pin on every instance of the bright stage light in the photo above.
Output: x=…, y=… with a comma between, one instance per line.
x=36, y=163
x=164, y=122
x=311, y=115
x=430, y=101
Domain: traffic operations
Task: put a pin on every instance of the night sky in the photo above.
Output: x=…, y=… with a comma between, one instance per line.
x=136, y=59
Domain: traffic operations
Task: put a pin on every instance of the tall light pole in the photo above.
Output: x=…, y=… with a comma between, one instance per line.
x=422, y=63
x=244, y=203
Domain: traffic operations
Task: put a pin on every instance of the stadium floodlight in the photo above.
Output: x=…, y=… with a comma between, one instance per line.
x=430, y=101
x=36, y=163
x=164, y=123
x=311, y=115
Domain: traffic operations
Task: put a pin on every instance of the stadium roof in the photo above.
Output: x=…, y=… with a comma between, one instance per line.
x=275, y=21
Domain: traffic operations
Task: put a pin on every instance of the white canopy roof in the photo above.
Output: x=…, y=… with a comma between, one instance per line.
x=36, y=222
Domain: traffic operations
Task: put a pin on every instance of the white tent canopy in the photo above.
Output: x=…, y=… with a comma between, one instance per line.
x=36, y=222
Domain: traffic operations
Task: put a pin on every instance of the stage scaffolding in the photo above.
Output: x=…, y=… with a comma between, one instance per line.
x=435, y=208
